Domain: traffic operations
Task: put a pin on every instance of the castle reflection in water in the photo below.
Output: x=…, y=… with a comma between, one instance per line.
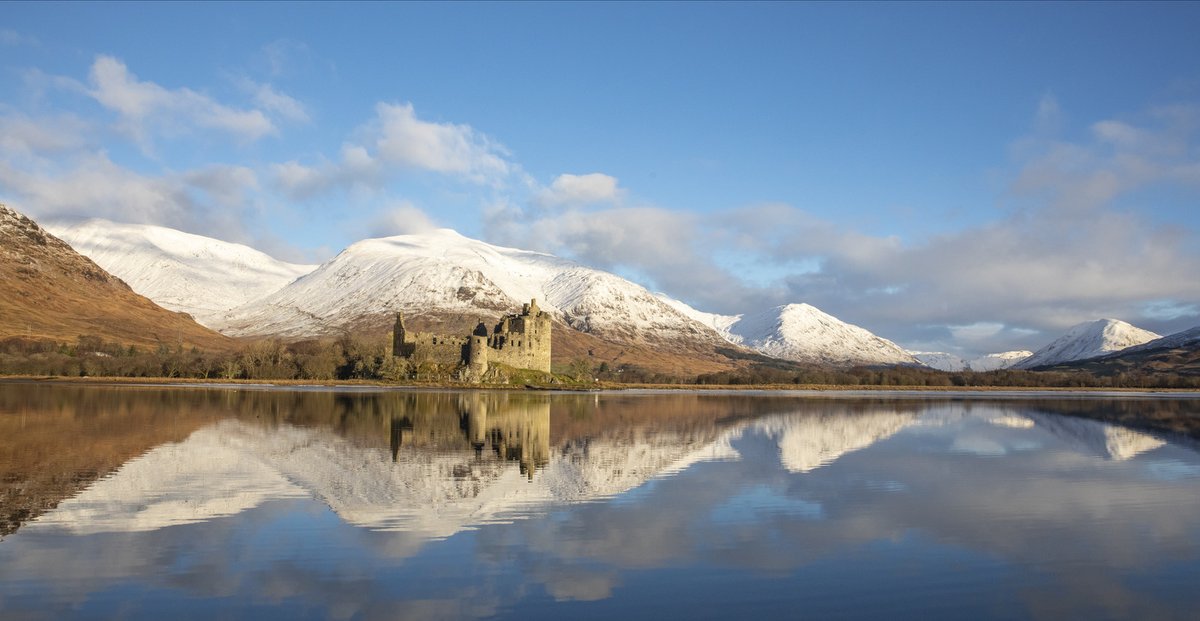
x=508, y=427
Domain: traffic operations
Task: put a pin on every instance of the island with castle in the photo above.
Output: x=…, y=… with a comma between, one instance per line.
x=519, y=341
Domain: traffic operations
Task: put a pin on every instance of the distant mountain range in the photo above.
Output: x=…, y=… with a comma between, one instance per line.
x=990, y=362
x=1085, y=341
x=444, y=281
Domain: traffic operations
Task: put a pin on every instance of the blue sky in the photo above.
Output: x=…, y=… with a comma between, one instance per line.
x=966, y=177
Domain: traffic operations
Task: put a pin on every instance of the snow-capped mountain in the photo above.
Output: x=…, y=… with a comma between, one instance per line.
x=1002, y=360
x=198, y=275
x=803, y=333
x=939, y=360
x=722, y=324
x=243, y=292
x=1088, y=340
x=443, y=271
x=949, y=362
x=49, y=290
x=1185, y=338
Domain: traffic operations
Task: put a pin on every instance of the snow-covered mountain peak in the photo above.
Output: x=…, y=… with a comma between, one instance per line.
x=1002, y=360
x=940, y=360
x=198, y=275
x=443, y=271
x=1088, y=340
x=804, y=333
x=943, y=361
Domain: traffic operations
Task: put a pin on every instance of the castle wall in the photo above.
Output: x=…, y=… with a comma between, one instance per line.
x=525, y=346
x=518, y=341
x=428, y=347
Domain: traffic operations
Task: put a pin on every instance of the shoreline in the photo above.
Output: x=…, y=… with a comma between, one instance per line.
x=608, y=387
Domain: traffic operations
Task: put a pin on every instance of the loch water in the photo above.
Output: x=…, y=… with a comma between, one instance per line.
x=260, y=503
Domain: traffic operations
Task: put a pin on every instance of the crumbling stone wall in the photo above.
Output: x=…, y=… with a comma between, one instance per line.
x=521, y=341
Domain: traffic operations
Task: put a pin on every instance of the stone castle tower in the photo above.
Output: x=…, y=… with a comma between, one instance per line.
x=520, y=341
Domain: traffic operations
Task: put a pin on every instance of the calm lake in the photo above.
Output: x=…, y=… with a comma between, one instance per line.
x=228, y=503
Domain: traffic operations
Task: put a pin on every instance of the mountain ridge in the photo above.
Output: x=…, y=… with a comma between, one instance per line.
x=50, y=291
x=184, y=272
x=1089, y=339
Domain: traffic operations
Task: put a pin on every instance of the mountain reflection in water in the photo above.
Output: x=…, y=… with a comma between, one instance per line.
x=465, y=504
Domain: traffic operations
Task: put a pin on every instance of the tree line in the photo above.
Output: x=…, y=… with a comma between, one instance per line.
x=356, y=358
x=346, y=358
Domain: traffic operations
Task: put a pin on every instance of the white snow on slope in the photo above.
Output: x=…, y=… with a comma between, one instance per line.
x=939, y=360
x=198, y=275
x=211, y=474
x=800, y=332
x=1088, y=340
x=1191, y=336
x=810, y=442
x=803, y=333
x=722, y=324
x=989, y=362
x=445, y=271
x=232, y=467
x=1096, y=438
x=1002, y=360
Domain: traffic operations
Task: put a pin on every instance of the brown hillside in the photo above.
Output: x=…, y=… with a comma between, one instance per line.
x=49, y=291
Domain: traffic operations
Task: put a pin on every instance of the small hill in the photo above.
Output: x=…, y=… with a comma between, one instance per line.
x=49, y=291
x=1090, y=339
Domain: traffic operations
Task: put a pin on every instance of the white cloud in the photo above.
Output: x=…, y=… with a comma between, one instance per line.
x=396, y=140
x=285, y=57
x=282, y=105
x=228, y=185
x=214, y=200
x=22, y=135
x=356, y=168
x=580, y=190
x=146, y=108
x=402, y=218
x=404, y=140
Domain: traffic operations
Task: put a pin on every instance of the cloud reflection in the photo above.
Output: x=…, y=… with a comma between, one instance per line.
x=453, y=511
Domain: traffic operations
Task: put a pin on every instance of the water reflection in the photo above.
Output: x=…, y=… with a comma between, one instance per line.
x=443, y=504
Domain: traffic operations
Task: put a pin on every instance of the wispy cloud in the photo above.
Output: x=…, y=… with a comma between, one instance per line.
x=22, y=135
x=396, y=140
x=215, y=200
x=401, y=218
x=146, y=108
x=12, y=38
x=579, y=190
x=275, y=102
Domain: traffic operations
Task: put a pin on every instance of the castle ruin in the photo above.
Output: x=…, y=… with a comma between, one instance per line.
x=520, y=341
